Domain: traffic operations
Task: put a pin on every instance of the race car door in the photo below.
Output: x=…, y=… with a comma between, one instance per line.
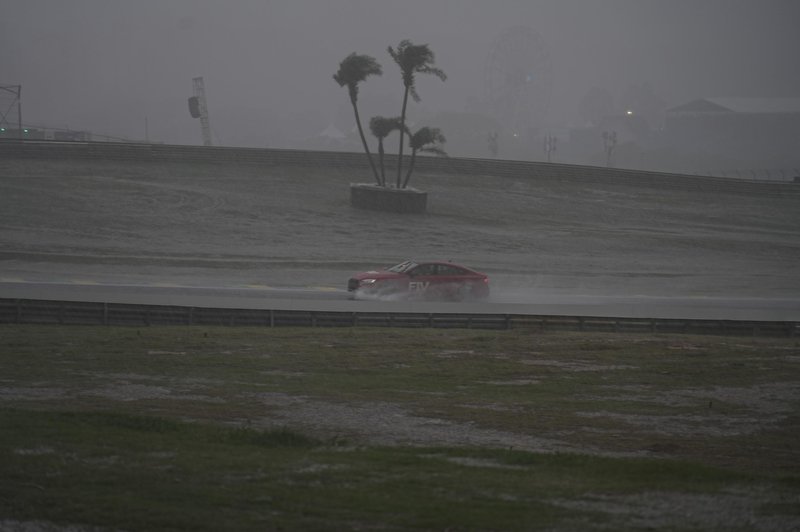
x=453, y=281
x=422, y=279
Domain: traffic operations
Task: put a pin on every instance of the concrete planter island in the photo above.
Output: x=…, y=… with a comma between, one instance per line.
x=388, y=199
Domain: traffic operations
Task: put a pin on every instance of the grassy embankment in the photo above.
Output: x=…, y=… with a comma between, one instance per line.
x=230, y=428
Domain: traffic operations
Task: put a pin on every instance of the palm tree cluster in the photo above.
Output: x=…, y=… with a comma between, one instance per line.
x=353, y=70
x=412, y=59
x=380, y=126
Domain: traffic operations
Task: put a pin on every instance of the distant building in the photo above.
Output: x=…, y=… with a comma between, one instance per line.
x=72, y=135
x=759, y=130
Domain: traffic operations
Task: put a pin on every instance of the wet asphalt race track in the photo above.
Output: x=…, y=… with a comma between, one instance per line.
x=554, y=240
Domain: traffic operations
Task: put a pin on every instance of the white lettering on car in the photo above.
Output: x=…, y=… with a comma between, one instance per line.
x=418, y=285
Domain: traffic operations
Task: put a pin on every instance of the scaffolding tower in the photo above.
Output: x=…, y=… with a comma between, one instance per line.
x=10, y=101
x=199, y=109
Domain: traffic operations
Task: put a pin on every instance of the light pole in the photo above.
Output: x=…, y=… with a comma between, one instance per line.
x=494, y=148
x=609, y=141
x=550, y=145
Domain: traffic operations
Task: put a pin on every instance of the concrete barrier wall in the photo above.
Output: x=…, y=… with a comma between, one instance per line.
x=12, y=148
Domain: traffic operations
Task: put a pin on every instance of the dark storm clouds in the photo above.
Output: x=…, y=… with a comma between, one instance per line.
x=107, y=65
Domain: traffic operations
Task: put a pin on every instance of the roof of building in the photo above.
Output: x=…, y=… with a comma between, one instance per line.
x=332, y=132
x=739, y=105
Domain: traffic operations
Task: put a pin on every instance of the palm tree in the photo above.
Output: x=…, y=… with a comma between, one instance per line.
x=381, y=127
x=428, y=140
x=353, y=70
x=412, y=59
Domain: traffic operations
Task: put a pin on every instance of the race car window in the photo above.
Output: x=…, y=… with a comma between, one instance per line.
x=445, y=269
x=424, y=269
x=402, y=267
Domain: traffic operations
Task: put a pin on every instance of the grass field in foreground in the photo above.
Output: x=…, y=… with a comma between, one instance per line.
x=202, y=428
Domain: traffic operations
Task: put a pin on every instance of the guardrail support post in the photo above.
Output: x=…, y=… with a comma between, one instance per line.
x=105, y=313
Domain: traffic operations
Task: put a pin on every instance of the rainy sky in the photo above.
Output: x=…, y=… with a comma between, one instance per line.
x=125, y=68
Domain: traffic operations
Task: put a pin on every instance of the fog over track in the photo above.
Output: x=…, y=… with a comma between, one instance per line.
x=555, y=235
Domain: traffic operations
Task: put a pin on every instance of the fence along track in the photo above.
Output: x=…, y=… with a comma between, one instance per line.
x=164, y=153
x=44, y=312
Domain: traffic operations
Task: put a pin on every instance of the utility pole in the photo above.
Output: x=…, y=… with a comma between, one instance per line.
x=199, y=109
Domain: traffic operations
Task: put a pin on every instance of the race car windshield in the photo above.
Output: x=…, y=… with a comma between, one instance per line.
x=402, y=267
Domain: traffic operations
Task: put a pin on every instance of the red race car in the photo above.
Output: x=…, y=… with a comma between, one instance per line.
x=420, y=280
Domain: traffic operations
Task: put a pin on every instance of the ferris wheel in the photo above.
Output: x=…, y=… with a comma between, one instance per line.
x=518, y=79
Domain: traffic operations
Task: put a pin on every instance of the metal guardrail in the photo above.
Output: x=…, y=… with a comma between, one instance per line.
x=32, y=311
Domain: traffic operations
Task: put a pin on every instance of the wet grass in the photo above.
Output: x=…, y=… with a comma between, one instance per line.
x=170, y=428
x=145, y=473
